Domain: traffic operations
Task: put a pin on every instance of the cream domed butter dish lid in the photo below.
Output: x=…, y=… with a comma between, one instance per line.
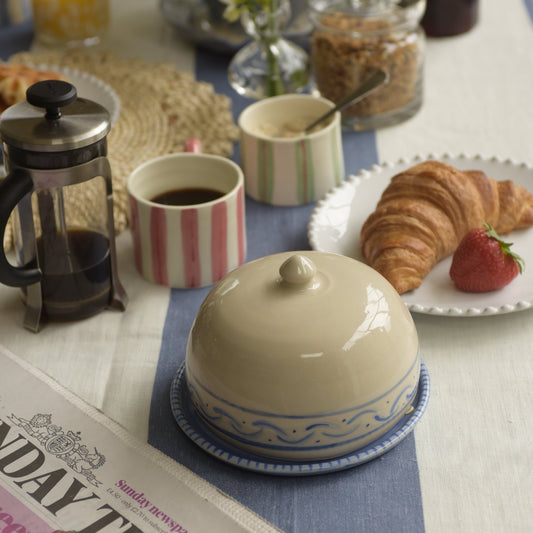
x=300, y=363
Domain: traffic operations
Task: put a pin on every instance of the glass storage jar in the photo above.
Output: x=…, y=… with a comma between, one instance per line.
x=351, y=39
x=70, y=23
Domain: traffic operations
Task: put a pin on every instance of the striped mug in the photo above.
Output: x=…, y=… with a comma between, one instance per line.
x=187, y=219
x=282, y=164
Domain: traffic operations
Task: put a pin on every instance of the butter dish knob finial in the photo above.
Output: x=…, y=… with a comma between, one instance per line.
x=297, y=270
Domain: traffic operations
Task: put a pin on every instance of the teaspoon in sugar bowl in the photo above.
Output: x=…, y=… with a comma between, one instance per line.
x=377, y=79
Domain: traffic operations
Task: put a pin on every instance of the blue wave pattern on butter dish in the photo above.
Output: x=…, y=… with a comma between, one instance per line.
x=309, y=432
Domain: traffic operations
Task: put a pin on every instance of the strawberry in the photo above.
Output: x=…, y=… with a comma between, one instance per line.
x=484, y=262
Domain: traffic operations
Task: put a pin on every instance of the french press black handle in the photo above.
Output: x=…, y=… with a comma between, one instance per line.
x=12, y=189
x=51, y=95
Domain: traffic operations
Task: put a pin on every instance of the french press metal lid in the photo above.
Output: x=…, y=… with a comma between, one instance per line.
x=58, y=191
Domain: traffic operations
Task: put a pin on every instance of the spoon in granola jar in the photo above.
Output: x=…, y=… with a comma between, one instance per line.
x=376, y=79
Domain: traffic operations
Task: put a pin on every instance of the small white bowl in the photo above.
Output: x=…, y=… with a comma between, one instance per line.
x=302, y=356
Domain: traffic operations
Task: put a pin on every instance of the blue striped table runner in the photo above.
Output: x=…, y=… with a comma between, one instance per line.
x=380, y=496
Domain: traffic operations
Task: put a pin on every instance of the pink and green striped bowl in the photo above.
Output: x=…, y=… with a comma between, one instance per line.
x=292, y=170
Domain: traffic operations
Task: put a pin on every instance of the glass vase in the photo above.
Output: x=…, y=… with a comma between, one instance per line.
x=269, y=65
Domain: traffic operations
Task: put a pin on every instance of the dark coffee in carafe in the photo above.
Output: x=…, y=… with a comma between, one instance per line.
x=76, y=279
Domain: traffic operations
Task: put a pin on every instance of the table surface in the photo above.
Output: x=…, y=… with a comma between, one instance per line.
x=468, y=466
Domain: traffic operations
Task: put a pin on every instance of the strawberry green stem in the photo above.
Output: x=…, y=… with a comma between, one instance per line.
x=506, y=246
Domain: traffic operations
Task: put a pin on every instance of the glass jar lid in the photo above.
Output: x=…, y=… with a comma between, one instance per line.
x=366, y=16
x=54, y=119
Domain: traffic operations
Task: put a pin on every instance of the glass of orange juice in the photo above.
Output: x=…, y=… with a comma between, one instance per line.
x=70, y=22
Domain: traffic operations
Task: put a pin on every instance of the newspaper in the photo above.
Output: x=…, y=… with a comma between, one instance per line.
x=64, y=466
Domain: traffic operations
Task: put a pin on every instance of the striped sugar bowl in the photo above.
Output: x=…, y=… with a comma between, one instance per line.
x=282, y=164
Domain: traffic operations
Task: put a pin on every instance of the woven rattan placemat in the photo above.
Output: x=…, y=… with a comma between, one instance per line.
x=160, y=108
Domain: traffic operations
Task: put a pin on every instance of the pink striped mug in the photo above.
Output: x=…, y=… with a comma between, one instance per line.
x=187, y=244
x=282, y=164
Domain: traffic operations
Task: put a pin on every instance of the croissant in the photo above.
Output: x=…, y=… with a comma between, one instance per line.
x=426, y=210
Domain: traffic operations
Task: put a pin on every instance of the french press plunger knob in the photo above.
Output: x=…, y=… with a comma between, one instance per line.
x=58, y=193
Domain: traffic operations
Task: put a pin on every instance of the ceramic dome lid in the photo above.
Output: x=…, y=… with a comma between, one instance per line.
x=302, y=332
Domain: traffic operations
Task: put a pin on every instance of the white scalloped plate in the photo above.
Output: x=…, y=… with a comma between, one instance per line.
x=336, y=221
x=91, y=88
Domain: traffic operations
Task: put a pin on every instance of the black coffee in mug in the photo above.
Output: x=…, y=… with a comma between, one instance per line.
x=189, y=196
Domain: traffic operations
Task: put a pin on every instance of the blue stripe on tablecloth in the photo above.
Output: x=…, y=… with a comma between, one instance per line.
x=529, y=7
x=14, y=39
x=381, y=496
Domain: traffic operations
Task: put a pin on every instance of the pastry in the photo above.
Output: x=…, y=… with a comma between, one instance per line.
x=426, y=210
x=15, y=79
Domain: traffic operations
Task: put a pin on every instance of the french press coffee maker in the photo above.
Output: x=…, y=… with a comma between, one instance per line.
x=58, y=194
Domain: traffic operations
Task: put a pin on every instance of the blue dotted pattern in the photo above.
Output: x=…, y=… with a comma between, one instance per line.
x=195, y=429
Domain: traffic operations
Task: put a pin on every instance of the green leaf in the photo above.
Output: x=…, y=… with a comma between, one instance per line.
x=505, y=246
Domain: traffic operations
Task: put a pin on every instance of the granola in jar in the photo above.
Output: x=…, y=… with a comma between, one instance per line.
x=349, y=45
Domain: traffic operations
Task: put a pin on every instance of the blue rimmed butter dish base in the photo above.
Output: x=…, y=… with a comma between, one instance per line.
x=191, y=424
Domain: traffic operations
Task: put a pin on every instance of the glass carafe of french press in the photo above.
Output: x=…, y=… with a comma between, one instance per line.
x=58, y=195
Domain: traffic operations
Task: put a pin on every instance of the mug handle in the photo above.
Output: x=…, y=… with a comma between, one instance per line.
x=12, y=189
x=193, y=145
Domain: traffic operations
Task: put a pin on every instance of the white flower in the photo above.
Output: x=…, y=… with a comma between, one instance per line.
x=235, y=8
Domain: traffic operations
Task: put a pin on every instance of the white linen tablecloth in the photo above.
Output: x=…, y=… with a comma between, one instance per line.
x=474, y=444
